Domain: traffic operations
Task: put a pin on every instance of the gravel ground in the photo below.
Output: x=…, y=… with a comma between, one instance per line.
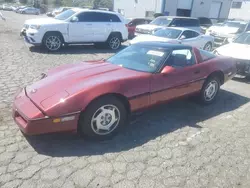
x=181, y=144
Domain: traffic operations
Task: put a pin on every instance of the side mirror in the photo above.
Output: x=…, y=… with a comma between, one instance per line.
x=74, y=19
x=167, y=70
x=182, y=37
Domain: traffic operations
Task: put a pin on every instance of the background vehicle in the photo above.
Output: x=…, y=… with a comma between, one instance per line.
x=19, y=8
x=168, y=21
x=7, y=7
x=227, y=31
x=239, y=49
x=30, y=10
x=77, y=26
x=135, y=22
x=179, y=36
x=149, y=73
x=205, y=23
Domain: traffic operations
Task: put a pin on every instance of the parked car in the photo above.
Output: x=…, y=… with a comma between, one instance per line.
x=97, y=97
x=76, y=26
x=30, y=10
x=227, y=31
x=179, y=36
x=135, y=22
x=239, y=49
x=7, y=7
x=19, y=8
x=205, y=23
x=168, y=21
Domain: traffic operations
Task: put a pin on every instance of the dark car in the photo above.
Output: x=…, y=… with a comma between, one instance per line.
x=96, y=98
x=135, y=22
x=205, y=23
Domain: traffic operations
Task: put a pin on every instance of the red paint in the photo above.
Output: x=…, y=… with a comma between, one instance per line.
x=70, y=88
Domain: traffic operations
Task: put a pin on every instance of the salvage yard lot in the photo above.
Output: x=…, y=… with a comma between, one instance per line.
x=181, y=144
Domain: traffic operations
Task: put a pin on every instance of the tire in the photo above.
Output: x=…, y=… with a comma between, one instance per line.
x=208, y=96
x=208, y=47
x=114, y=41
x=87, y=125
x=53, y=41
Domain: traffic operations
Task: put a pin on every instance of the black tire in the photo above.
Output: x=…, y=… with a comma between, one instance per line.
x=85, y=125
x=208, y=46
x=50, y=36
x=114, y=41
x=203, y=94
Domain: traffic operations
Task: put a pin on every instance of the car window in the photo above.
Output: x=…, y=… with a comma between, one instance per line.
x=140, y=58
x=185, y=23
x=97, y=17
x=243, y=39
x=205, y=21
x=189, y=34
x=65, y=15
x=181, y=58
x=161, y=21
x=168, y=33
x=205, y=55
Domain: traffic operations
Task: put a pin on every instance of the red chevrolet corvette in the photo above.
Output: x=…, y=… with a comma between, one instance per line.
x=96, y=98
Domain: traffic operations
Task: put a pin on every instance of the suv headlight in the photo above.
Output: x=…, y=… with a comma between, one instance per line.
x=35, y=27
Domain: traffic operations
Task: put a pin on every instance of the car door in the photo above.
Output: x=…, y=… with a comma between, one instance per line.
x=183, y=80
x=81, y=28
x=102, y=26
x=191, y=38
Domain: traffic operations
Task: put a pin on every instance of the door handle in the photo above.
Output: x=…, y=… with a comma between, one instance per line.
x=197, y=72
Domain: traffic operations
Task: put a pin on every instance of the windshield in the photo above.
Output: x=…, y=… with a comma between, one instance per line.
x=243, y=39
x=139, y=58
x=65, y=15
x=168, y=33
x=161, y=21
x=234, y=24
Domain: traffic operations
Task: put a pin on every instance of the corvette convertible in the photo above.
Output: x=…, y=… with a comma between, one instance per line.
x=96, y=98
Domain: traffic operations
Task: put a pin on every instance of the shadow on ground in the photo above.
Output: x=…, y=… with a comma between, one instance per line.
x=150, y=125
x=76, y=49
x=243, y=80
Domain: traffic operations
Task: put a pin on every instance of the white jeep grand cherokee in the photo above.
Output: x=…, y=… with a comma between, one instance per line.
x=76, y=26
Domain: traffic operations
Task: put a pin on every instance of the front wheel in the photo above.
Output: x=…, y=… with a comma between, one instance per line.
x=53, y=42
x=103, y=118
x=208, y=47
x=210, y=90
x=114, y=42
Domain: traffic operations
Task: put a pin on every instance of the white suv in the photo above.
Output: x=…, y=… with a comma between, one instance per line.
x=76, y=26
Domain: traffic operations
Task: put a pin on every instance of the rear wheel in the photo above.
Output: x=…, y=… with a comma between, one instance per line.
x=114, y=41
x=210, y=90
x=103, y=118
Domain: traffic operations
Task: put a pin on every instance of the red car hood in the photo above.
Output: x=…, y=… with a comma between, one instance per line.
x=66, y=80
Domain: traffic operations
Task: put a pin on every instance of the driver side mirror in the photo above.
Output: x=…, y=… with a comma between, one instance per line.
x=182, y=37
x=167, y=69
x=74, y=19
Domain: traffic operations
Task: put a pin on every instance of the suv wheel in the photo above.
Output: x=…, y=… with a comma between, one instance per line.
x=53, y=42
x=114, y=42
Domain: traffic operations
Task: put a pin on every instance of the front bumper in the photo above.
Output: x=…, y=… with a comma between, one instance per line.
x=243, y=67
x=31, y=37
x=32, y=121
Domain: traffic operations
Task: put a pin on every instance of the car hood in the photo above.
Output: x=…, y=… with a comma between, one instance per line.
x=67, y=80
x=151, y=38
x=235, y=50
x=223, y=30
x=149, y=27
x=43, y=21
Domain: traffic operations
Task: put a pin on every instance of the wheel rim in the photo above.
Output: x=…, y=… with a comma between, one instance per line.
x=105, y=120
x=114, y=43
x=211, y=90
x=53, y=43
x=208, y=47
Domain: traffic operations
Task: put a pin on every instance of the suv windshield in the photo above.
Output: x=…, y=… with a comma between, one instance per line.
x=140, y=58
x=168, y=33
x=161, y=21
x=65, y=15
x=243, y=39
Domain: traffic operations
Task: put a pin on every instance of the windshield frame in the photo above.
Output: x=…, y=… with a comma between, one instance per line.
x=65, y=12
x=161, y=64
